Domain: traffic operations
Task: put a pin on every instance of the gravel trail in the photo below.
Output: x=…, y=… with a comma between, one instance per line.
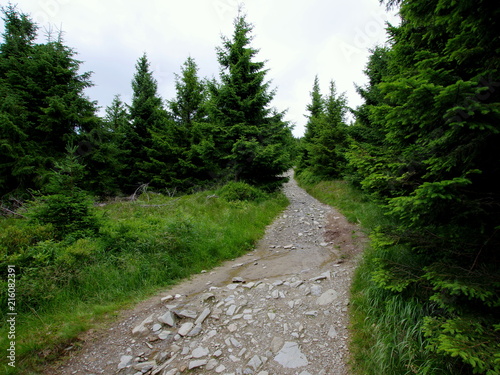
x=280, y=309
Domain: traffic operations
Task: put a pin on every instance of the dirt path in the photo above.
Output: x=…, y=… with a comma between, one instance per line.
x=280, y=309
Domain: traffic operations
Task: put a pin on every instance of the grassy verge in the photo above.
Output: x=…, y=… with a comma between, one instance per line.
x=386, y=336
x=65, y=287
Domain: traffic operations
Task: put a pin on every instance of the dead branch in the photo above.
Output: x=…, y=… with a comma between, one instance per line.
x=141, y=189
x=12, y=212
x=159, y=205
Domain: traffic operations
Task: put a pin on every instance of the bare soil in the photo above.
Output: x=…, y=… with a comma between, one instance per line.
x=280, y=309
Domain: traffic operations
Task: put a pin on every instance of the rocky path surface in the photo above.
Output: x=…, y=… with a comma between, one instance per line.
x=280, y=309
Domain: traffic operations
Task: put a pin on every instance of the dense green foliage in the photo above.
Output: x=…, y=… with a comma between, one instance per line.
x=42, y=108
x=322, y=149
x=64, y=205
x=210, y=133
x=424, y=147
x=252, y=141
x=426, y=298
x=239, y=191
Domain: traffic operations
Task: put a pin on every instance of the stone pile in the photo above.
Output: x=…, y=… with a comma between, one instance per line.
x=270, y=326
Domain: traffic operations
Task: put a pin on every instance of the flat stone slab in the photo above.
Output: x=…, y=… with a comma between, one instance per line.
x=198, y=363
x=290, y=356
x=185, y=328
x=327, y=297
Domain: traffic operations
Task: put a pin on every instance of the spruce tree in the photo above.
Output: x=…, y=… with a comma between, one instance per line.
x=367, y=136
x=316, y=111
x=330, y=144
x=147, y=116
x=103, y=153
x=324, y=142
x=43, y=105
x=438, y=112
x=187, y=133
x=251, y=138
x=189, y=104
x=116, y=118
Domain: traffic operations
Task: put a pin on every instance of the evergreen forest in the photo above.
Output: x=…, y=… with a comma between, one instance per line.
x=418, y=169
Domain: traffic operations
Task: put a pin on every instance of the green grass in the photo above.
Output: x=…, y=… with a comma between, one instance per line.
x=67, y=287
x=386, y=336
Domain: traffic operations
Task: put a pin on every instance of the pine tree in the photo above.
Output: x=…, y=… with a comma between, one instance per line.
x=189, y=104
x=331, y=139
x=43, y=106
x=103, y=153
x=187, y=133
x=316, y=110
x=324, y=142
x=147, y=116
x=437, y=117
x=251, y=138
x=116, y=118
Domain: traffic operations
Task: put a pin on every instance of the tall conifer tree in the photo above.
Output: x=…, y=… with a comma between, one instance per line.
x=251, y=137
x=43, y=106
x=324, y=141
x=439, y=112
x=146, y=116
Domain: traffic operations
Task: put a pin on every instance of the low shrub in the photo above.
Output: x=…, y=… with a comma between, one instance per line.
x=240, y=191
x=68, y=213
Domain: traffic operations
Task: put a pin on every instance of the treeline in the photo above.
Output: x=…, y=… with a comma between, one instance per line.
x=425, y=146
x=212, y=131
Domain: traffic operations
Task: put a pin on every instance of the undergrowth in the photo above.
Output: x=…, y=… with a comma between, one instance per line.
x=68, y=284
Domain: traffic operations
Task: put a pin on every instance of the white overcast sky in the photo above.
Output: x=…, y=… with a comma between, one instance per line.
x=298, y=38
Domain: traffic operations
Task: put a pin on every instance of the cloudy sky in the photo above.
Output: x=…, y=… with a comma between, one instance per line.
x=299, y=39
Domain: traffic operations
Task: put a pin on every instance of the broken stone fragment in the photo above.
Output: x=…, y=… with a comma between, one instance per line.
x=168, y=318
x=200, y=352
x=327, y=297
x=186, y=314
x=142, y=328
x=165, y=335
x=255, y=362
x=290, y=356
x=195, y=331
x=197, y=363
x=204, y=314
x=144, y=366
x=206, y=297
x=185, y=328
x=167, y=298
x=125, y=360
x=212, y=363
x=332, y=333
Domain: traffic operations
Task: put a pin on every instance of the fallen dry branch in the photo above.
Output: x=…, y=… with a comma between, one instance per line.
x=12, y=212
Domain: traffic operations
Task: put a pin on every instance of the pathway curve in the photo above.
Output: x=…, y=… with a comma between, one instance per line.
x=280, y=309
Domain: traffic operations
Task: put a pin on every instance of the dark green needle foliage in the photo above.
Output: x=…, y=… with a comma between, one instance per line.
x=323, y=145
x=425, y=145
x=252, y=141
x=42, y=103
